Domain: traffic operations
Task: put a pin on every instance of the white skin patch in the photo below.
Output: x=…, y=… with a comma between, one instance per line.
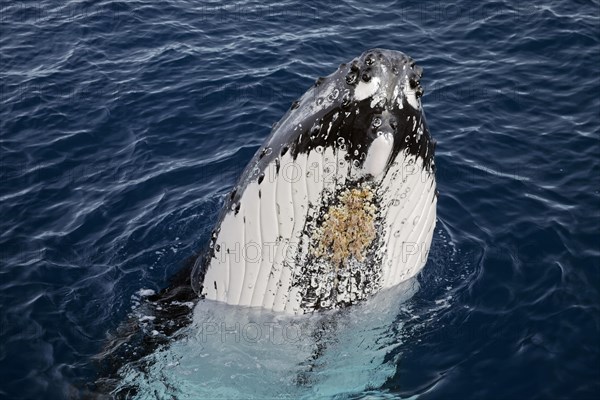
x=378, y=154
x=365, y=90
x=409, y=218
x=411, y=95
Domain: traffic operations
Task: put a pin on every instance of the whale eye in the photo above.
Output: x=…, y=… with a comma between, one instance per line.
x=319, y=81
x=295, y=105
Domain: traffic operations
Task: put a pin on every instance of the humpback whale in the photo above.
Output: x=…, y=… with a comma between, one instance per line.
x=337, y=205
x=339, y=202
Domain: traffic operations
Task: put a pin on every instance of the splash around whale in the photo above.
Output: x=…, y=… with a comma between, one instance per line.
x=339, y=202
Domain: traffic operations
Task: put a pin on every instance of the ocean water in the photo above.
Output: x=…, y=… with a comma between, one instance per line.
x=124, y=124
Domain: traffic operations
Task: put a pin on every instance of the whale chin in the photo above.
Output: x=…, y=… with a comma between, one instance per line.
x=340, y=201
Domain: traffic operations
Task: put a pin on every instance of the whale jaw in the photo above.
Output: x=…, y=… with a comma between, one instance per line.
x=338, y=203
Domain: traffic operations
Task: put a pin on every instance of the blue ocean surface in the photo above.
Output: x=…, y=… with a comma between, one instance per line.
x=123, y=124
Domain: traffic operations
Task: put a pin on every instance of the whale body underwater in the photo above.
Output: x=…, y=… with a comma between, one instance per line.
x=338, y=204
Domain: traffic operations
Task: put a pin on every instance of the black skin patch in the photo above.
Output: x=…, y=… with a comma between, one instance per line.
x=354, y=120
x=359, y=130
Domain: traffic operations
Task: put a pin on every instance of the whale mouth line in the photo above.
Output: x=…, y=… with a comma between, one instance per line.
x=338, y=203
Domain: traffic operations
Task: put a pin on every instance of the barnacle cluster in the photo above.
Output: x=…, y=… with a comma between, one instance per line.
x=348, y=227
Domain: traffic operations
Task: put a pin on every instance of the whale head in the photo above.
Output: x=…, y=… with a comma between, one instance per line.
x=339, y=202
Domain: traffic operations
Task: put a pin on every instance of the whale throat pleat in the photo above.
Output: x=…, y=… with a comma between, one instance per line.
x=264, y=244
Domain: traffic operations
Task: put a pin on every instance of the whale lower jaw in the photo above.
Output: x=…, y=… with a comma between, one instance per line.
x=277, y=247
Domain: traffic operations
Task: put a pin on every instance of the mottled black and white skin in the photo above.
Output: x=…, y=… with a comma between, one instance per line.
x=359, y=132
x=354, y=147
